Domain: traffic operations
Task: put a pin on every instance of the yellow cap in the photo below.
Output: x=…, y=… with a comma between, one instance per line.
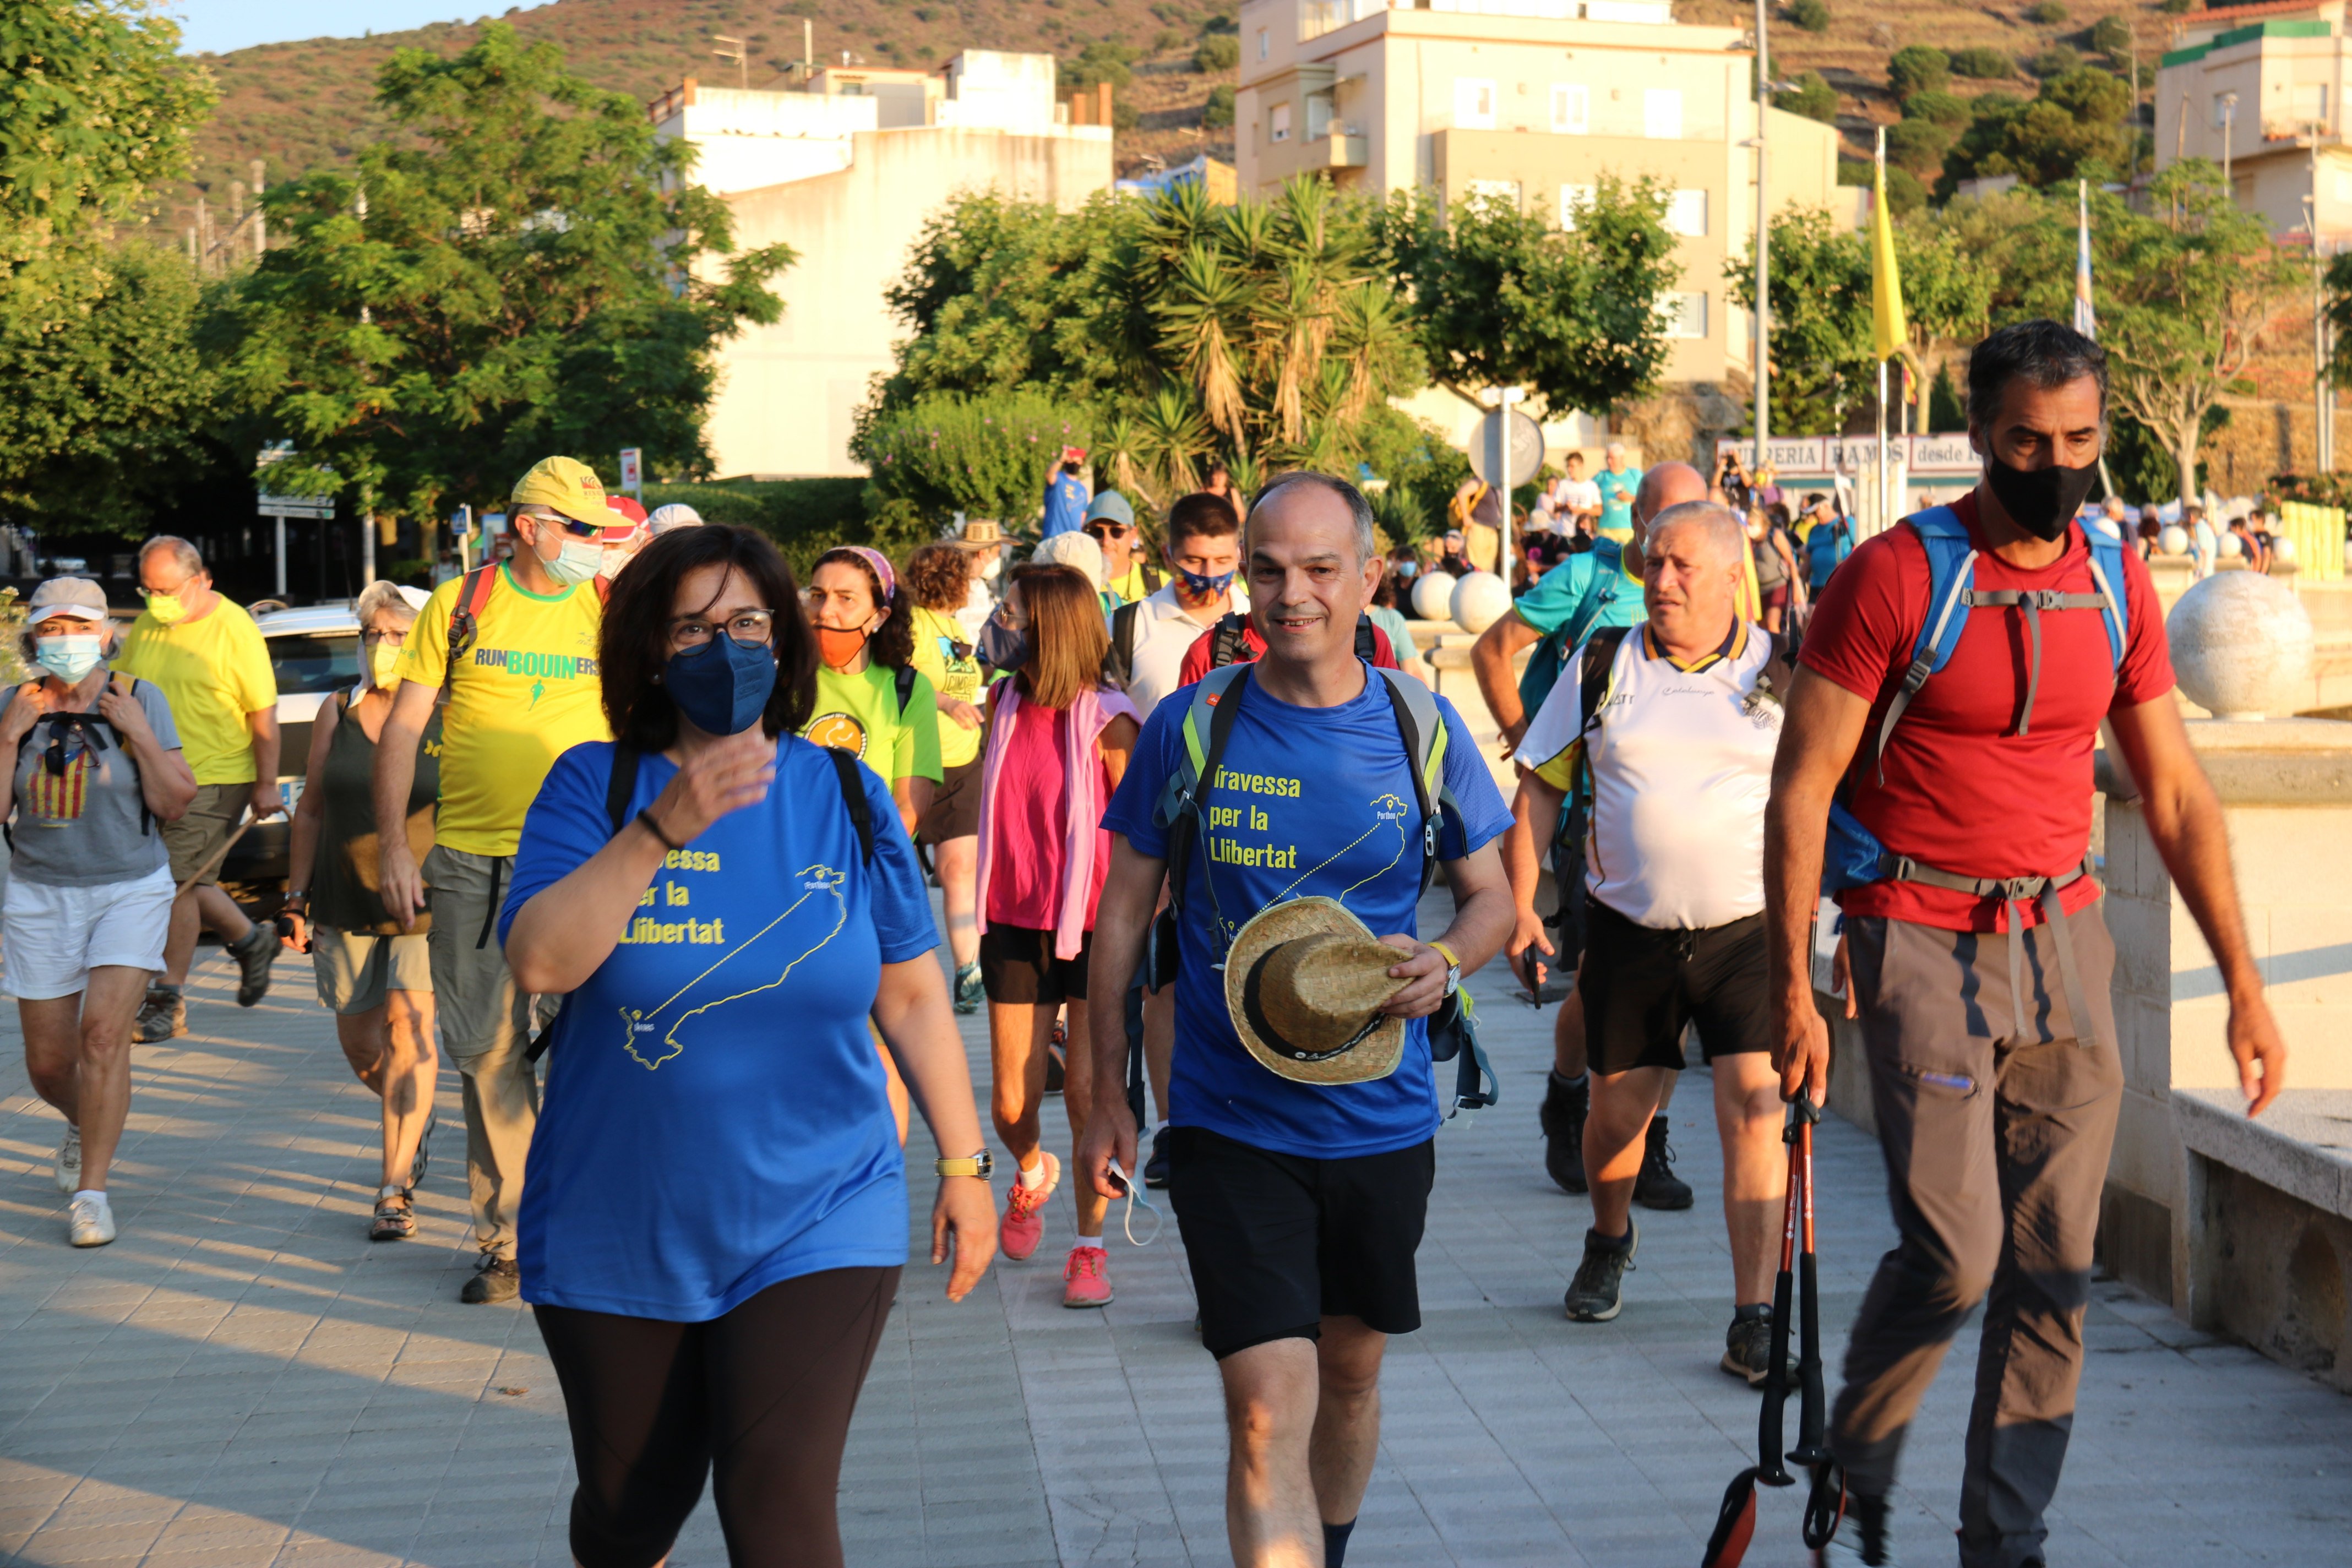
x=570, y=487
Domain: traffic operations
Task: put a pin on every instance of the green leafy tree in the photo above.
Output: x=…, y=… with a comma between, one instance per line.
x=1946, y=408
x=1812, y=97
x=2111, y=37
x=2056, y=61
x=1217, y=53
x=2075, y=127
x=1917, y=68
x=1812, y=16
x=1099, y=62
x=1938, y=106
x=1919, y=146
x=1217, y=114
x=2048, y=13
x=1981, y=64
x=519, y=271
x=2183, y=294
x=1503, y=299
x=988, y=456
x=104, y=393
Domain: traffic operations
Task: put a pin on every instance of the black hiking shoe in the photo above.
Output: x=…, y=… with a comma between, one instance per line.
x=1862, y=1538
x=1596, y=1294
x=1657, y=1187
x=161, y=1017
x=1155, y=1169
x=254, y=952
x=1747, y=1350
x=495, y=1279
x=1565, y=1106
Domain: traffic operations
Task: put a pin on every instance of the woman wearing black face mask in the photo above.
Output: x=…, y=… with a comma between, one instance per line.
x=715, y=1210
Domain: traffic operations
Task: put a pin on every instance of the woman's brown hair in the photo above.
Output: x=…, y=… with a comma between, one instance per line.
x=1068, y=638
x=939, y=576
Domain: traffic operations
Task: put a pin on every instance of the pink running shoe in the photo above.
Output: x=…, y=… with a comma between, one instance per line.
x=1084, y=1282
x=1024, y=1224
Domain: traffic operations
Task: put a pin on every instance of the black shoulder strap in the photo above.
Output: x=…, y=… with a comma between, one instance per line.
x=852, y=796
x=1120, y=665
x=1151, y=577
x=904, y=679
x=1779, y=668
x=1181, y=831
x=1230, y=641
x=1410, y=732
x=1592, y=673
x=1368, y=646
x=620, y=782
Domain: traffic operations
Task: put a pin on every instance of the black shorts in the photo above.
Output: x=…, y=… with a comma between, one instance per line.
x=1278, y=1242
x=1642, y=988
x=1018, y=966
x=954, y=810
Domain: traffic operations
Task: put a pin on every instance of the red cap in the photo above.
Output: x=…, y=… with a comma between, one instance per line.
x=627, y=508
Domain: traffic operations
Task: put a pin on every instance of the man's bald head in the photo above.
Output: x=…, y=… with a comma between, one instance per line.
x=1664, y=485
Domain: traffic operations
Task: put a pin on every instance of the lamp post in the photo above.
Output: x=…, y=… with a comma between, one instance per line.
x=1763, y=244
x=2228, y=122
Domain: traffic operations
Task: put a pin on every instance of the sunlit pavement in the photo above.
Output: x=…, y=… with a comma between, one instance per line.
x=244, y=1379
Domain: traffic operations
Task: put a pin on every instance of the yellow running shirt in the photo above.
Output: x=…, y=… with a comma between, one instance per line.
x=936, y=637
x=526, y=693
x=214, y=671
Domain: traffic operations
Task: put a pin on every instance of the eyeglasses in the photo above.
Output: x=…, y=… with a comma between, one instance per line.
x=753, y=629
x=394, y=638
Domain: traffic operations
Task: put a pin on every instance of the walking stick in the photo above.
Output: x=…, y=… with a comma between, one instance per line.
x=213, y=862
x=1735, y=1521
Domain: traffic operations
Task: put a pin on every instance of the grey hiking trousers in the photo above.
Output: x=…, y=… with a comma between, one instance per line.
x=1996, y=1151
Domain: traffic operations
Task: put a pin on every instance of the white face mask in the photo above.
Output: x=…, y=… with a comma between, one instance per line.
x=576, y=560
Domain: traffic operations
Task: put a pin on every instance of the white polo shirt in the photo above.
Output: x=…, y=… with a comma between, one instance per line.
x=1164, y=632
x=1682, y=766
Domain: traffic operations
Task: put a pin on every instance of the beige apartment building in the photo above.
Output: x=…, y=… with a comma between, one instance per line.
x=1535, y=101
x=2260, y=89
x=846, y=169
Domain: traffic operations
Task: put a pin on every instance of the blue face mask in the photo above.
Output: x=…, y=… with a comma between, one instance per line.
x=1195, y=583
x=1408, y=568
x=69, y=658
x=722, y=686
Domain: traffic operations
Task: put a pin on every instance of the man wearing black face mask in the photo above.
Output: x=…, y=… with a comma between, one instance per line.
x=1936, y=763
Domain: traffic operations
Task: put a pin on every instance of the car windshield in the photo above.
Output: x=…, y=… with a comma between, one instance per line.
x=315, y=661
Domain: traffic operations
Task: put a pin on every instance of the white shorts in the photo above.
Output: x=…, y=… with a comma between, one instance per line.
x=51, y=938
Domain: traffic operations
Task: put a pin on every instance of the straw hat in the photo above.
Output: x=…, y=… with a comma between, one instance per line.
x=1305, y=984
x=980, y=534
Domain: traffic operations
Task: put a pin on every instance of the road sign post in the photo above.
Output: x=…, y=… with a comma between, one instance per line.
x=632, y=478
x=1506, y=453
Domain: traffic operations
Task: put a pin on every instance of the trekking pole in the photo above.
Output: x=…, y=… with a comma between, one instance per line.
x=213, y=862
x=1734, y=1520
x=1826, y=1499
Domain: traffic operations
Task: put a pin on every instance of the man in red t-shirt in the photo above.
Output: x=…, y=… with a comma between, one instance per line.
x=1972, y=956
x=1202, y=656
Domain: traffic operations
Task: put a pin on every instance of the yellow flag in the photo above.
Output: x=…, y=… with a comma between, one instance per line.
x=1889, y=332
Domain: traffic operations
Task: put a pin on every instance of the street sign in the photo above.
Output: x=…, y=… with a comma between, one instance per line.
x=461, y=521
x=1526, y=447
x=631, y=475
x=319, y=507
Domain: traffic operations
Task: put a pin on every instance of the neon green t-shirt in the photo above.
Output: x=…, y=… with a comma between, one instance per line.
x=859, y=714
x=937, y=637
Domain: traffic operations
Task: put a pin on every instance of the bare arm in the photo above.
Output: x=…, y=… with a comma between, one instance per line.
x=1823, y=726
x=2184, y=817
x=302, y=848
x=912, y=1011
x=263, y=723
x=1117, y=746
x=912, y=795
x=1491, y=660
x=1482, y=922
x=564, y=932
x=396, y=772
x=1129, y=896
x=1534, y=810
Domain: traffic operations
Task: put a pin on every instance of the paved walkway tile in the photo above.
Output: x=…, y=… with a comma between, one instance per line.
x=243, y=1380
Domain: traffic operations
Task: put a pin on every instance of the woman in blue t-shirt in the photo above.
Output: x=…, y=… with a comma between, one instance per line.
x=714, y=1213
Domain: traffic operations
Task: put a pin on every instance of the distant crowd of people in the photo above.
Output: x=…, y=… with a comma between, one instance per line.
x=635, y=829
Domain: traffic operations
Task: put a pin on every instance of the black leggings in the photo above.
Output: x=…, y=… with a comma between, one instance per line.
x=763, y=1394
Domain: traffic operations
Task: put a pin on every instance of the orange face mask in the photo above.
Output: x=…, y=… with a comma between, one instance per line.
x=837, y=647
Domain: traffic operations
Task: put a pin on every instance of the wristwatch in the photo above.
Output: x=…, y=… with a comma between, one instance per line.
x=1453, y=968
x=980, y=1164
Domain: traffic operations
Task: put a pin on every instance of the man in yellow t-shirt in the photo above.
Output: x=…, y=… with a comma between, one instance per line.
x=212, y=667
x=515, y=644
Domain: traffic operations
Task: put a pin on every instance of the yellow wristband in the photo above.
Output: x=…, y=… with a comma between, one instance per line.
x=1450, y=956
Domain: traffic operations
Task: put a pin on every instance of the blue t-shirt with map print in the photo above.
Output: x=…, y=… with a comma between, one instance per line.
x=1322, y=802
x=715, y=1117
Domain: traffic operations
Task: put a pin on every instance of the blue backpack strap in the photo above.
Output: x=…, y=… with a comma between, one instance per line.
x=2107, y=552
x=1951, y=582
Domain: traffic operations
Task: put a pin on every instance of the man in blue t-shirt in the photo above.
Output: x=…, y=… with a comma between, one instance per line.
x=1618, y=483
x=1599, y=588
x=1827, y=543
x=1301, y=1204
x=1066, y=495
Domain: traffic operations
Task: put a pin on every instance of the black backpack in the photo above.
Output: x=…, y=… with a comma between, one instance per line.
x=1232, y=647
x=621, y=781
x=93, y=727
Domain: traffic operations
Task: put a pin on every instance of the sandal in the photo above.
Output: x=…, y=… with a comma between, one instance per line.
x=395, y=1215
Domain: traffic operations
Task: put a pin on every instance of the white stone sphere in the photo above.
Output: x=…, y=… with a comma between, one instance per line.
x=2231, y=547
x=1433, y=596
x=2173, y=541
x=2283, y=549
x=2241, y=645
x=1480, y=600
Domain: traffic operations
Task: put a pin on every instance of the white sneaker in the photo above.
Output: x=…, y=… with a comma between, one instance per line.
x=89, y=1222
x=69, y=1161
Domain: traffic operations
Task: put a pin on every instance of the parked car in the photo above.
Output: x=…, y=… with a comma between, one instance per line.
x=314, y=652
